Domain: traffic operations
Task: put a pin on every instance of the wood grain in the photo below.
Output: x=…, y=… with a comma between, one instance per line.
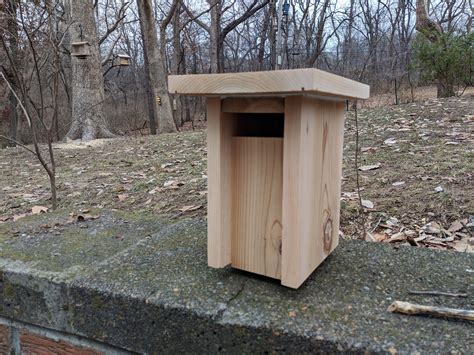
x=311, y=185
x=257, y=204
x=219, y=132
x=253, y=105
x=295, y=81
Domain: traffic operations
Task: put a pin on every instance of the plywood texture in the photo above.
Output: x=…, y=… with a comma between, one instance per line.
x=282, y=82
x=311, y=185
x=257, y=204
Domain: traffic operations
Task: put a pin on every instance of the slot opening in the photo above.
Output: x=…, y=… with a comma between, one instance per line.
x=259, y=124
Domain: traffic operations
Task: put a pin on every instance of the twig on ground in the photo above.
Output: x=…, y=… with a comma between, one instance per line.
x=376, y=225
x=437, y=293
x=417, y=309
x=361, y=207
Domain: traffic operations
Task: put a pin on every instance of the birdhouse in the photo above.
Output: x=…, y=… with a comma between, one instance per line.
x=80, y=50
x=122, y=60
x=275, y=143
x=286, y=8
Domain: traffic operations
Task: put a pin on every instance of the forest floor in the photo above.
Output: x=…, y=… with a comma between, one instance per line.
x=416, y=176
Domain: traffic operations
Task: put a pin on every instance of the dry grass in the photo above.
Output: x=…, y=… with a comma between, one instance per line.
x=162, y=175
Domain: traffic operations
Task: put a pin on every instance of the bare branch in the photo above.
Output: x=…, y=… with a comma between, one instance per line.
x=121, y=15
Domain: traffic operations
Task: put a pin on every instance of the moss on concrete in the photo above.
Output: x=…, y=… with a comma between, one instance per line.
x=151, y=289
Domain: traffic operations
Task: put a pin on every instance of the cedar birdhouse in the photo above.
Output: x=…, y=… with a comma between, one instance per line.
x=275, y=142
x=122, y=60
x=80, y=50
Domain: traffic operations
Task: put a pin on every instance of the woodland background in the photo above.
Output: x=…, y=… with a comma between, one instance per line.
x=74, y=71
x=66, y=96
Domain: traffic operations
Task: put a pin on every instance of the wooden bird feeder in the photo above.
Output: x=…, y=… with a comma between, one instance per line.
x=275, y=142
x=122, y=60
x=80, y=50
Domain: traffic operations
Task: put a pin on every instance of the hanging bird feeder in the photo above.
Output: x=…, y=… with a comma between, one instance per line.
x=80, y=50
x=122, y=60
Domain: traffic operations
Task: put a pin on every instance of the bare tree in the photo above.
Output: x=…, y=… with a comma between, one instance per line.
x=9, y=33
x=157, y=93
x=40, y=106
x=88, y=118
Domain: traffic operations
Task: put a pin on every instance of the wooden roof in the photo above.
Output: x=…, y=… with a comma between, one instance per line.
x=275, y=83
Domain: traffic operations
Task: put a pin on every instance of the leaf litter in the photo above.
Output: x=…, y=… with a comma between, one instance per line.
x=407, y=151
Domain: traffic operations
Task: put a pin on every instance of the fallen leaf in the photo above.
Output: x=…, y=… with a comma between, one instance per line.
x=398, y=183
x=86, y=217
x=122, y=197
x=171, y=184
x=456, y=226
x=18, y=216
x=368, y=149
x=390, y=141
x=39, y=209
x=155, y=190
x=369, y=167
x=377, y=237
x=464, y=245
x=412, y=241
x=190, y=208
x=367, y=204
x=397, y=237
x=168, y=183
x=432, y=228
x=392, y=221
x=421, y=238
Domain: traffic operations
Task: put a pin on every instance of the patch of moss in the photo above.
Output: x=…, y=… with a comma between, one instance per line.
x=8, y=290
x=97, y=302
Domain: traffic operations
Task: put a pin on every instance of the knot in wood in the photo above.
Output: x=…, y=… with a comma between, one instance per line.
x=327, y=231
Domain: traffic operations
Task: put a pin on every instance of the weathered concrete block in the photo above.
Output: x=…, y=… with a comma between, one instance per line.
x=151, y=291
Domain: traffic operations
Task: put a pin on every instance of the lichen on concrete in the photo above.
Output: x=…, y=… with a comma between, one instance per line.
x=150, y=290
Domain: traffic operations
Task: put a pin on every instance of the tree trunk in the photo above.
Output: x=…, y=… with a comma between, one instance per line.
x=424, y=24
x=432, y=31
x=444, y=90
x=66, y=64
x=9, y=31
x=176, y=65
x=158, y=97
x=88, y=119
x=214, y=35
